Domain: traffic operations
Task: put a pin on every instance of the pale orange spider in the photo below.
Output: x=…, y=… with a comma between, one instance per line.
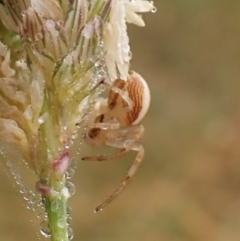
x=115, y=122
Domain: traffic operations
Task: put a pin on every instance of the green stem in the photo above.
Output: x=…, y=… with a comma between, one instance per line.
x=56, y=208
x=56, y=202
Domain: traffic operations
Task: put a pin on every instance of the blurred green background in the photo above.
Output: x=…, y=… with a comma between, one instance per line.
x=188, y=187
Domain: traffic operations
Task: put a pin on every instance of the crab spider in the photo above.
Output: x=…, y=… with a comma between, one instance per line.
x=115, y=123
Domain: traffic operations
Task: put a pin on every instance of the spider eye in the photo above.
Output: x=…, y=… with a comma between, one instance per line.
x=94, y=132
x=99, y=119
x=112, y=105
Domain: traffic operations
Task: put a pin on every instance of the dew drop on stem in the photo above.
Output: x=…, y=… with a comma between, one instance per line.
x=70, y=173
x=70, y=234
x=69, y=220
x=55, y=205
x=69, y=210
x=71, y=188
x=44, y=229
x=61, y=223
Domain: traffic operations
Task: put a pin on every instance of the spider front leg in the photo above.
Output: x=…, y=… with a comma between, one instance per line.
x=105, y=126
x=111, y=143
x=107, y=157
x=131, y=172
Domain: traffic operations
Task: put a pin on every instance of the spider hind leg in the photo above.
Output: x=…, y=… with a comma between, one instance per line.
x=131, y=172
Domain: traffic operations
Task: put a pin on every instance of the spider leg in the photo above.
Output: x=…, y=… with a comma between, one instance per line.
x=136, y=147
x=104, y=126
x=113, y=143
x=101, y=125
x=125, y=96
x=106, y=157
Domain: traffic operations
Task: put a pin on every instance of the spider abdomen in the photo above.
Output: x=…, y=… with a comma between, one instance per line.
x=129, y=100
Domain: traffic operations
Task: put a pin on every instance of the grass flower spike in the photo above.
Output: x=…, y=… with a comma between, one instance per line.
x=54, y=55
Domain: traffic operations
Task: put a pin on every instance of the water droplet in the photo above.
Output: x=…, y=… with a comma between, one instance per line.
x=39, y=215
x=79, y=151
x=31, y=206
x=54, y=205
x=70, y=233
x=22, y=190
x=42, y=118
x=69, y=220
x=44, y=229
x=40, y=202
x=126, y=48
x=33, y=198
x=69, y=210
x=14, y=172
x=17, y=177
x=154, y=10
x=70, y=173
x=74, y=136
x=71, y=188
x=26, y=196
x=29, y=196
x=19, y=182
x=129, y=54
x=61, y=223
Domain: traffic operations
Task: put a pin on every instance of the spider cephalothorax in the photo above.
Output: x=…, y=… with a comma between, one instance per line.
x=116, y=124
